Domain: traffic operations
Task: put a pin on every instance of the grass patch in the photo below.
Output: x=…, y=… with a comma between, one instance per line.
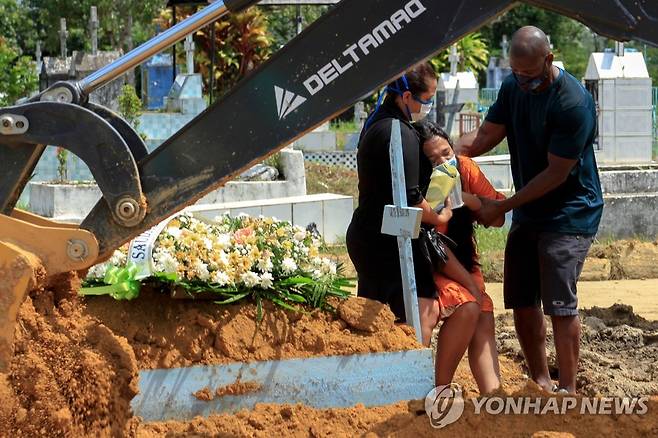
x=343, y=129
x=321, y=178
x=491, y=239
x=501, y=149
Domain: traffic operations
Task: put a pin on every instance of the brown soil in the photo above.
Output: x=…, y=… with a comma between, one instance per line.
x=619, y=260
x=405, y=419
x=238, y=388
x=167, y=333
x=70, y=375
x=75, y=369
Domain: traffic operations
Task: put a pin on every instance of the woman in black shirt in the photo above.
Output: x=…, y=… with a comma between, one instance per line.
x=375, y=255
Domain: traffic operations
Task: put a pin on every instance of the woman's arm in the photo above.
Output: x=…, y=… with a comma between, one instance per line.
x=430, y=216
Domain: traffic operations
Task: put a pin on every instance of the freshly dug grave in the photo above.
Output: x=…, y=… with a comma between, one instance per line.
x=167, y=333
x=76, y=369
x=408, y=419
x=76, y=362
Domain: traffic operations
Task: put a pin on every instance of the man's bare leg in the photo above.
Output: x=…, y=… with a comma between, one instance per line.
x=531, y=332
x=566, y=333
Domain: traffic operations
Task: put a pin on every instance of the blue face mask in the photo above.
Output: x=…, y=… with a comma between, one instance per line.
x=453, y=161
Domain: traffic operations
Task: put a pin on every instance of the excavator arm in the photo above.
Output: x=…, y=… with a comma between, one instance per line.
x=356, y=47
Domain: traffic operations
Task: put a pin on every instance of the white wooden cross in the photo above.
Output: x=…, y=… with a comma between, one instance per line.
x=403, y=222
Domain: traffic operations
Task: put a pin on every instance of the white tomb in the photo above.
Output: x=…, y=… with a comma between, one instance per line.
x=621, y=87
x=458, y=87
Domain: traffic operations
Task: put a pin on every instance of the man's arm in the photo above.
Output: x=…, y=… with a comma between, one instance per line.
x=548, y=180
x=480, y=142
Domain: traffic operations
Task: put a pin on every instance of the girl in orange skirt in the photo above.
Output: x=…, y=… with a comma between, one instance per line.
x=466, y=315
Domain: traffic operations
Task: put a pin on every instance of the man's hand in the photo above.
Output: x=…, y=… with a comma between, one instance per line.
x=491, y=212
x=481, y=141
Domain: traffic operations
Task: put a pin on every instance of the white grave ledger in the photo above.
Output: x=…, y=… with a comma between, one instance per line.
x=621, y=87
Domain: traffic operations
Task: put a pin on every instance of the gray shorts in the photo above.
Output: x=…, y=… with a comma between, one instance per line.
x=542, y=268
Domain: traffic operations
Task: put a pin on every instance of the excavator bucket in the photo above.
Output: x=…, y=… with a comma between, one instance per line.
x=30, y=246
x=20, y=272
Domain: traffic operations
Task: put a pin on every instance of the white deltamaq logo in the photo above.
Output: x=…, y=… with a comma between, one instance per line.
x=287, y=101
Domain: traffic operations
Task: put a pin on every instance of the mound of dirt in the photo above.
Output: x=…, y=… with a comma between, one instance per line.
x=406, y=419
x=366, y=315
x=70, y=375
x=166, y=333
x=618, y=351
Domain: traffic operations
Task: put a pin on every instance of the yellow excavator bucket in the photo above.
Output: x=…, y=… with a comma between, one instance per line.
x=32, y=248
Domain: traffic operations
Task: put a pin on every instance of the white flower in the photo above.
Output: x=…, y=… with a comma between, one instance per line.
x=174, y=232
x=223, y=258
x=316, y=274
x=200, y=270
x=265, y=264
x=208, y=243
x=98, y=271
x=223, y=240
x=300, y=235
x=288, y=265
x=165, y=262
x=117, y=259
x=221, y=278
x=266, y=281
x=328, y=267
x=250, y=279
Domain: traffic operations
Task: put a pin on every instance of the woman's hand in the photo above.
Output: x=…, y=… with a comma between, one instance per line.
x=446, y=212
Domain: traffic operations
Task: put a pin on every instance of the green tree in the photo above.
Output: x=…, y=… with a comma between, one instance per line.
x=572, y=41
x=123, y=23
x=282, y=21
x=242, y=43
x=130, y=106
x=16, y=26
x=18, y=76
x=473, y=53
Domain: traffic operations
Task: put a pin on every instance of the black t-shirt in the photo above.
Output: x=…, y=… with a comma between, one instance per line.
x=560, y=120
x=374, y=167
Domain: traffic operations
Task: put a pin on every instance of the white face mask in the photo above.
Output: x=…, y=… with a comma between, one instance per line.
x=424, y=112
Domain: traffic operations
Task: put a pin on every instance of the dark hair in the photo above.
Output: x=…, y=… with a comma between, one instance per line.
x=427, y=129
x=461, y=225
x=417, y=78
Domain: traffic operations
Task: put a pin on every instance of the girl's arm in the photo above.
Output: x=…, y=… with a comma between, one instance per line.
x=471, y=202
x=431, y=217
x=480, y=187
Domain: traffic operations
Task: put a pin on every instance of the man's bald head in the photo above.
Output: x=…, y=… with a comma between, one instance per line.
x=529, y=42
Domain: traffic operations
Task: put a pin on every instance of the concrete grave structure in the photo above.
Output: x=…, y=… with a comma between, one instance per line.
x=621, y=87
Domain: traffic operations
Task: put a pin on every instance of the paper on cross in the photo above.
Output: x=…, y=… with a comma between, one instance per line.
x=403, y=221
